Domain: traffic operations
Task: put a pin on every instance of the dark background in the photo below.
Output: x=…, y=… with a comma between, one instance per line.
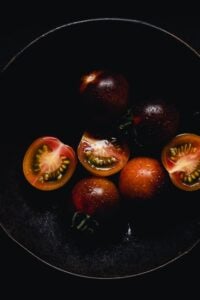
x=18, y=269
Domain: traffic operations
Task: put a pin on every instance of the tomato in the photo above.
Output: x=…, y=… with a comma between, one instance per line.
x=95, y=196
x=104, y=95
x=181, y=158
x=155, y=122
x=102, y=156
x=48, y=163
x=141, y=178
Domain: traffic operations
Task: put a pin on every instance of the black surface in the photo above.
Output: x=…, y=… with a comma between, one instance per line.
x=175, y=263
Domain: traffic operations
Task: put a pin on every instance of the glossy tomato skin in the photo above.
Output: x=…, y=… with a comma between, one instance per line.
x=181, y=158
x=48, y=164
x=155, y=122
x=95, y=196
x=142, y=178
x=104, y=95
x=102, y=156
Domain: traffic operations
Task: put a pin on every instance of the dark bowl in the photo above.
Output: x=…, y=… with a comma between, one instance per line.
x=40, y=98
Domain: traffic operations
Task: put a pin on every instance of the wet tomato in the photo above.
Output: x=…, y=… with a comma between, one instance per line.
x=95, y=196
x=102, y=156
x=181, y=158
x=104, y=95
x=141, y=178
x=48, y=163
x=155, y=122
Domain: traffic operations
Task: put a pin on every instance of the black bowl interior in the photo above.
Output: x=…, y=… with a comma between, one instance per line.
x=39, y=97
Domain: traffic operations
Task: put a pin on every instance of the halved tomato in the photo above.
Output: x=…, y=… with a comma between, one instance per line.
x=181, y=158
x=48, y=163
x=102, y=156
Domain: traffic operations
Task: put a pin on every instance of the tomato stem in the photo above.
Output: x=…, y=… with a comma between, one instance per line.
x=84, y=223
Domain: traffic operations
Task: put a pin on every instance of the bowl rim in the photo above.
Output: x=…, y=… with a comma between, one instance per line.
x=98, y=277
x=19, y=53
x=66, y=25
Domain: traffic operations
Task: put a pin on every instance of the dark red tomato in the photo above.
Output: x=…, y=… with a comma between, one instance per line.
x=102, y=157
x=181, y=158
x=141, y=178
x=104, y=95
x=155, y=122
x=48, y=163
x=95, y=196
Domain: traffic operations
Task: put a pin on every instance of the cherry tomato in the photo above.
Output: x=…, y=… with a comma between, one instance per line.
x=181, y=158
x=102, y=156
x=95, y=196
x=141, y=178
x=155, y=122
x=48, y=163
x=104, y=95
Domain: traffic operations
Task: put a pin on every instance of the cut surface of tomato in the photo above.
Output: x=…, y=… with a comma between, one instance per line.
x=181, y=158
x=48, y=163
x=102, y=156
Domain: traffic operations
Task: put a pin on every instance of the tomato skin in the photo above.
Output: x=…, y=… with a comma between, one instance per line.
x=142, y=178
x=105, y=158
x=55, y=155
x=181, y=158
x=155, y=122
x=95, y=196
x=104, y=95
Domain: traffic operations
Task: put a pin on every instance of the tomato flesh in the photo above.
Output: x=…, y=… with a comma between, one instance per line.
x=181, y=158
x=102, y=156
x=48, y=163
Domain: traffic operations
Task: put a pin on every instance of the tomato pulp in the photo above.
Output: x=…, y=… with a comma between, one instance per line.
x=181, y=158
x=48, y=163
x=102, y=156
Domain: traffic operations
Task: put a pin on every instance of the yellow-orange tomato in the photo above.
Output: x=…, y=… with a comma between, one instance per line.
x=141, y=178
x=48, y=163
x=181, y=158
x=102, y=156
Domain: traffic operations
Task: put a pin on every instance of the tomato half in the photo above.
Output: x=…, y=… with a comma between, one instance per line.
x=181, y=158
x=102, y=156
x=48, y=163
